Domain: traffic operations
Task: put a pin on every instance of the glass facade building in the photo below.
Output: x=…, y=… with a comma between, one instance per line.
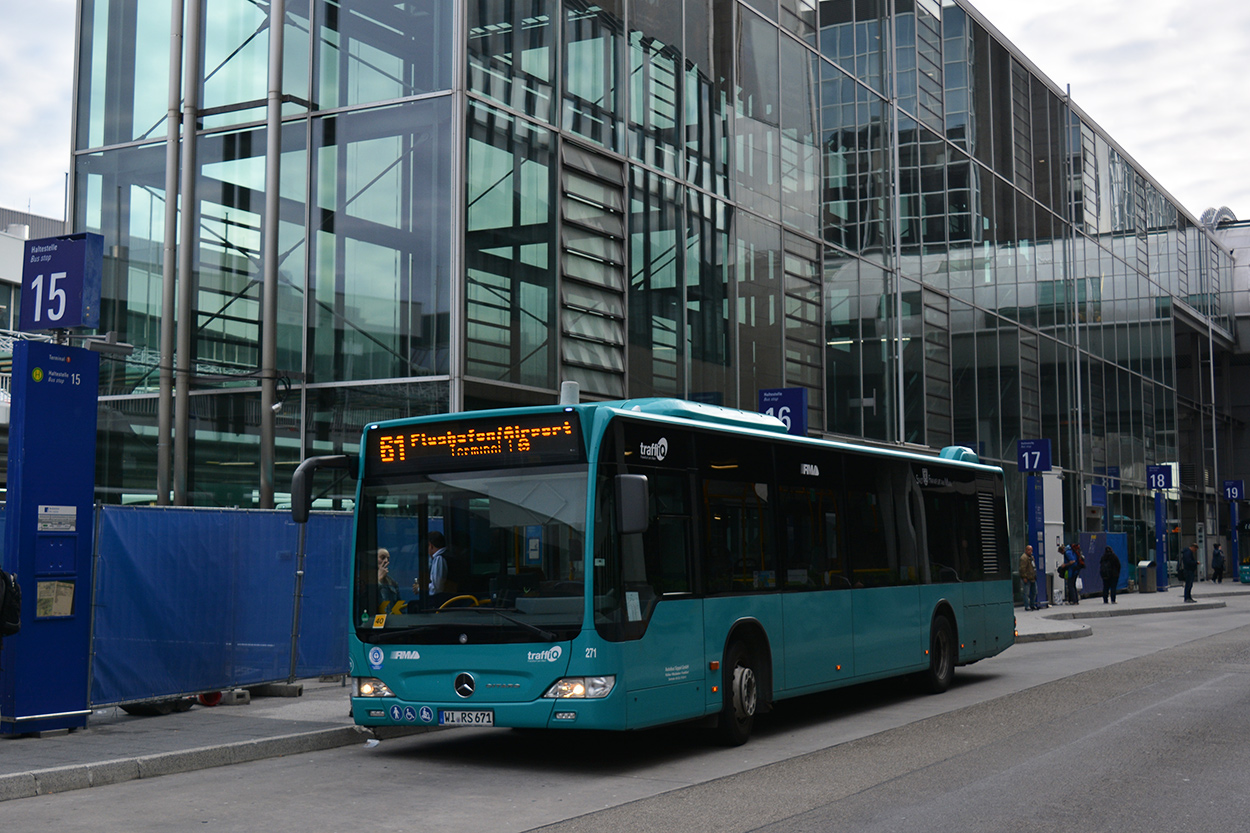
x=881, y=201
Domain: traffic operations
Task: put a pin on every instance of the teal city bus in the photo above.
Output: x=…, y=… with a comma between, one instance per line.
x=622, y=565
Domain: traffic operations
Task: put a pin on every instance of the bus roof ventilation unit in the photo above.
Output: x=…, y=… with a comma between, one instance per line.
x=959, y=453
x=710, y=414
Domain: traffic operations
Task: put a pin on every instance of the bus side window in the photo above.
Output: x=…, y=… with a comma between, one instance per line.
x=868, y=544
x=810, y=520
x=668, y=539
x=739, y=537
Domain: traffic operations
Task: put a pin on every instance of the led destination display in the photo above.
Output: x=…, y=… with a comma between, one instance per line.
x=534, y=439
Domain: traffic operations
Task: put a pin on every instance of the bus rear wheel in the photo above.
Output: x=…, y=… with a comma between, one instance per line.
x=941, y=657
x=741, y=689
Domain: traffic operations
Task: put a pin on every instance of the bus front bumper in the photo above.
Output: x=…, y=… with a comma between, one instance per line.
x=545, y=713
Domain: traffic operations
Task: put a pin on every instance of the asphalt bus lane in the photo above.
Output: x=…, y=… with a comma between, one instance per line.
x=1155, y=743
x=814, y=760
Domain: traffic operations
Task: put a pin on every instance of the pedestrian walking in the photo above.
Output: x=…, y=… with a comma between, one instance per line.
x=1109, y=569
x=1217, y=564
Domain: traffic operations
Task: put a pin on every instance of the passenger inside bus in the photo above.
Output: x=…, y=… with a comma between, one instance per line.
x=388, y=588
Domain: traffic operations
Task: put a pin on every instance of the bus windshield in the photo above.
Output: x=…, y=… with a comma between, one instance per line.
x=472, y=557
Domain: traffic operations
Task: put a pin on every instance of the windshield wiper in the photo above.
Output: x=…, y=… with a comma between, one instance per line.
x=398, y=635
x=545, y=634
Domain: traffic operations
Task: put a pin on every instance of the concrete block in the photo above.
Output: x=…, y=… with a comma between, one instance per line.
x=113, y=772
x=62, y=779
x=236, y=697
x=18, y=785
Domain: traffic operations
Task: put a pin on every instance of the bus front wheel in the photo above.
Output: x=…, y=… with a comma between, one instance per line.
x=741, y=689
x=942, y=655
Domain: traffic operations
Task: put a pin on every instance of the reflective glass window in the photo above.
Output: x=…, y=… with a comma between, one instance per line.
x=510, y=291
x=800, y=17
x=381, y=206
x=757, y=136
x=708, y=68
x=800, y=138
x=123, y=82
x=593, y=47
x=804, y=342
x=656, y=310
x=708, y=311
x=759, y=313
x=120, y=195
x=842, y=313
x=655, y=86
x=512, y=53
x=877, y=401
x=236, y=60
x=965, y=373
x=231, y=197
x=369, y=51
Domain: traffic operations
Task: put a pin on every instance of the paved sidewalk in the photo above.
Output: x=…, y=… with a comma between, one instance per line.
x=1073, y=621
x=118, y=747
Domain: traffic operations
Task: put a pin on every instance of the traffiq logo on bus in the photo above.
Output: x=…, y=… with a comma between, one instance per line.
x=550, y=655
x=655, y=451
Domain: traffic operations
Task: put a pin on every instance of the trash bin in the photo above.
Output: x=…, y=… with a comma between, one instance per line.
x=1147, y=580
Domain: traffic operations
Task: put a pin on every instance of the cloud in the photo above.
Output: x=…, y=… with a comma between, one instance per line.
x=1160, y=78
x=36, y=84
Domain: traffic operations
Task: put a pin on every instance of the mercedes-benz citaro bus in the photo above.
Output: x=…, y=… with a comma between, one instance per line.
x=620, y=565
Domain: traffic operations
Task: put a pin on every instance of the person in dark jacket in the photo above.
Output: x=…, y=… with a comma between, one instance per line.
x=1217, y=565
x=1109, y=569
x=1187, y=571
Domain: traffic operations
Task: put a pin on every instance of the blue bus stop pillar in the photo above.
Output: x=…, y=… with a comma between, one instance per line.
x=1242, y=573
x=48, y=536
x=1037, y=535
x=1161, y=545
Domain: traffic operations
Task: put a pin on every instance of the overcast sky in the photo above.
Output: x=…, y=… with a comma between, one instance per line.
x=1165, y=78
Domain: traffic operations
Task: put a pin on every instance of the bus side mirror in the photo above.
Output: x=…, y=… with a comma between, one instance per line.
x=301, y=482
x=633, y=503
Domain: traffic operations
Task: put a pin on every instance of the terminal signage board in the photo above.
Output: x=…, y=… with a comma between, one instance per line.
x=61, y=282
x=1159, y=477
x=787, y=404
x=1033, y=455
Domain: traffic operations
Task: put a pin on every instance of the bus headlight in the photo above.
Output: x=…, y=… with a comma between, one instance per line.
x=581, y=688
x=372, y=687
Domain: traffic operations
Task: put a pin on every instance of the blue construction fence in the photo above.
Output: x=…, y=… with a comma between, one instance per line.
x=190, y=600
x=1093, y=544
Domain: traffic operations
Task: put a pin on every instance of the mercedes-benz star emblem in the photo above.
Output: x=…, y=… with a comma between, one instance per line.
x=464, y=685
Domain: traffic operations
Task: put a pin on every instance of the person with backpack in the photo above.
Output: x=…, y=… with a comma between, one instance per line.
x=1217, y=564
x=1072, y=563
